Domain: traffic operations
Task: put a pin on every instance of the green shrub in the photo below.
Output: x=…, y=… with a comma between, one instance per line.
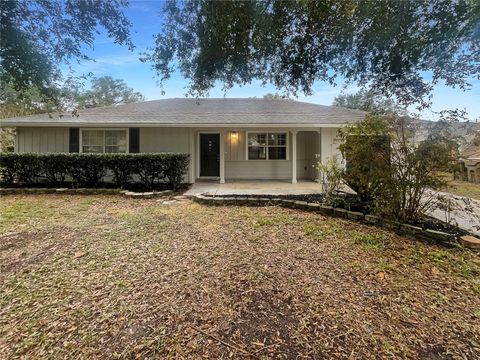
x=28, y=168
x=55, y=167
x=175, y=166
x=149, y=168
x=89, y=170
x=122, y=168
x=8, y=168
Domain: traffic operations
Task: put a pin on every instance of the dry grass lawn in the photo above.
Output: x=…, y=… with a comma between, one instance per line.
x=460, y=188
x=103, y=276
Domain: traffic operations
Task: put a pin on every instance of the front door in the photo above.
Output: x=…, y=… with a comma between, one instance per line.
x=210, y=155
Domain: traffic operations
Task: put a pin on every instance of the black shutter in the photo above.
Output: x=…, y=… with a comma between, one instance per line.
x=134, y=140
x=74, y=143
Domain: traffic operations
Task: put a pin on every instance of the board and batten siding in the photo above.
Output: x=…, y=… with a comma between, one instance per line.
x=41, y=139
x=329, y=144
x=164, y=140
x=238, y=167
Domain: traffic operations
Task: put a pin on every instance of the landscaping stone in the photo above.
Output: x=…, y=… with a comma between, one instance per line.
x=389, y=224
x=411, y=230
x=180, y=197
x=313, y=206
x=372, y=219
x=439, y=235
x=289, y=203
x=252, y=202
x=241, y=200
x=340, y=212
x=325, y=209
x=354, y=215
x=301, y=205
x=217, y=200
x=470, y=241
x=148, y=195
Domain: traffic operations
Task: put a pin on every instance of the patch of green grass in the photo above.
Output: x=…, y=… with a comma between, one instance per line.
x=370, y=241
x=439, y=299
x=320, y=231
x=315, y=231
x=384, y=266
x=281, y=219
x=477, y=314
x=22, y=212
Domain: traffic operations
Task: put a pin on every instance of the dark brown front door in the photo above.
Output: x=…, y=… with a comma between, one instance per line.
x=209, y=154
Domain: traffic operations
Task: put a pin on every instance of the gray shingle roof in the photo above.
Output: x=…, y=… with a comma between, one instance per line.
x=184, y=112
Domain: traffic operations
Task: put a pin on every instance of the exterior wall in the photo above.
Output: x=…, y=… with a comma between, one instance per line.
x=238, y=167
x=329, y=144
x=168, y=139
x=164, y=140
x=41, y=139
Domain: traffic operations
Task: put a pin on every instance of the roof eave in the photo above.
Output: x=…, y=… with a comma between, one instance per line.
x=189, y=125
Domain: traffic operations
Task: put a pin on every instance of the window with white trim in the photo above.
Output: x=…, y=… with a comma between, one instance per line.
x=104, y=141
x=267, y=146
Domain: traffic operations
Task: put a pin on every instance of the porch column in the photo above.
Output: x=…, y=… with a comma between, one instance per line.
x=191, y=147
x=319, y=152
x=222, y=157
x=294, y=156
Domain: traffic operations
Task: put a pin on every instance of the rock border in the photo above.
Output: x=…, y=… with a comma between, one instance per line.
x=428, y=235
x=86, y=191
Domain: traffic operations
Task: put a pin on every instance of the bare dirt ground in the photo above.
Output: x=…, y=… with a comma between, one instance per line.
x=104, y=276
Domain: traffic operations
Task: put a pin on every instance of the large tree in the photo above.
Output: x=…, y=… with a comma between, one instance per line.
x=366, y=101
x=107, y=91
x=387, y=44
x=36, y=36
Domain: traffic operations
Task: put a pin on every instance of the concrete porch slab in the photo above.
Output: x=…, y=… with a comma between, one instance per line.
x=255, y=187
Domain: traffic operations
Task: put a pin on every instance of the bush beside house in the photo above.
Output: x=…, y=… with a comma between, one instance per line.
x=90, y=170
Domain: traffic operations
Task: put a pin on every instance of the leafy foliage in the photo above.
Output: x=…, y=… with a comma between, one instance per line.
x=388, y=170
x=107, y=91
x=386, y=44
x=90, y=169
x=366, y=149
x=36, y=36
x=366, y=101
x=331, y=177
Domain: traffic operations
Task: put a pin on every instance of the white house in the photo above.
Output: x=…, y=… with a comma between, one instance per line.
x=226, y=138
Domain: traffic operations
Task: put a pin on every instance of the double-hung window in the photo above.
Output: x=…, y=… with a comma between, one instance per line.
x=267, y=146
x=104, y=141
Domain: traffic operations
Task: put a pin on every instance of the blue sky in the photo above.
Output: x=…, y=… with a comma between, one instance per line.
x=118, y=62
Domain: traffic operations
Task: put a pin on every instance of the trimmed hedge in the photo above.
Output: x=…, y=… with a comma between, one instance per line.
x=89, y=170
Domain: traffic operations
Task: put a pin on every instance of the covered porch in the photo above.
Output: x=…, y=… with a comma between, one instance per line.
x=272, y=156
x=254, y=187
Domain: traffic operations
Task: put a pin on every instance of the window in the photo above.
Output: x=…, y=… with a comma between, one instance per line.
x=267, y=146
x=104, y=141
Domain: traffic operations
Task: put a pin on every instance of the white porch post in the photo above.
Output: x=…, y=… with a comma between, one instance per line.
x=191, y=146
x=319, y=152
x=222, y=157
x=294, y=156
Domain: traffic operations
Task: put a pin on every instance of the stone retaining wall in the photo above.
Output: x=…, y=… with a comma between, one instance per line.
x=403, y=229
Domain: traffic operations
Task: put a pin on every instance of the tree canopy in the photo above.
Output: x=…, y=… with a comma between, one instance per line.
x=366, y=101
x=389, y=45
x=36, y=36
x=107, y=91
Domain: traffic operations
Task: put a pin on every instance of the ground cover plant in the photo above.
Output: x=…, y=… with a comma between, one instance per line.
x=85, y=277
